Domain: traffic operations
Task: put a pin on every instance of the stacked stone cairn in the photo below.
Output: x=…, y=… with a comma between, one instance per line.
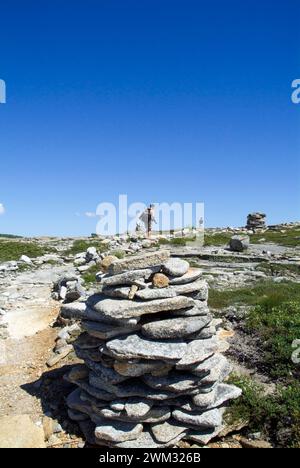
x=256, y=221
x=153, y=372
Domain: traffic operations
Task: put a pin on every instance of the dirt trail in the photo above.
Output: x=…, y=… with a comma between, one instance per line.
x=24, y=354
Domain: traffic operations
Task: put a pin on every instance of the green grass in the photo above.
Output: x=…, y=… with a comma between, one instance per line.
x=218, y=239
x=265, y=292
x=277, y=327
x=275, y=269
x=268, y=413
x=89, y=275
x=82, y=245
x=289, y=238
x=118, y=253
x=12, y=250
x=10, y=236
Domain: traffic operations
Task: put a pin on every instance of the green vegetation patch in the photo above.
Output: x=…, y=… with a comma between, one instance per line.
x=82, y=245
x=12, y=250
x=273, y=414
x=89, y=276
x=289, y=238
x=218, y=239
x=264, y=292
x=275, y=269
x=277, y=327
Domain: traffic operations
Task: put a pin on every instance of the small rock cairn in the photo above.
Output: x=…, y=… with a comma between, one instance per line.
x=256, y=221
x=153, y=372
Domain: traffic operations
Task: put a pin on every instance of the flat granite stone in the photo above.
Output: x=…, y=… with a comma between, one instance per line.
x=145, y=440
x=130, y=388
x=175, y=267
x=197, y=309
x=173, y=382
x=137, y=347
x=203, y=437
x=207, y=419
x=174, y=328
x=200, y=287
x=120, y=309
x=219, y=395
x=74, y=402
x=197, y=351
x=117, y=431
x=138, y=407
x=149, y=294
x=105, y=373
x=192, y=275
x=138, y=262
x=155, y=414
x=121, y=292
x=216, y=368
x=136, y=367
x=105, y=331
x=129, y=277
x=167, y=431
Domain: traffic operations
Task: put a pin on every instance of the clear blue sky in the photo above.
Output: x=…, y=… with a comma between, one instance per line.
x=163, y=100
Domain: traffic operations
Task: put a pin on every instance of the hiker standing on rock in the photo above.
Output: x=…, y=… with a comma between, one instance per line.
x=147, y=218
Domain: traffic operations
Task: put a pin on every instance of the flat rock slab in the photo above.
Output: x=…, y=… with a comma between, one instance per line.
x=106, y=373
x=199, y=286
x=20, y=432
x=137, y=262
x=173, y=382
x=167, y=431
x=128, y=278
x=216, y=368
x=122, y=309
x=137, y=347
x=192, y=275
x=105, y=331
x=174, y=328
x=219, y=395
x=197, y=351
x=155, y=414
x=149, y=294
x=146, y=440
x=176, y=267
x=117, y=431
x=208, y=419
x=136, y=368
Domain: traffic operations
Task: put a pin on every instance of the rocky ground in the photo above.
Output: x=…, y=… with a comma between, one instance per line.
x=38, y=275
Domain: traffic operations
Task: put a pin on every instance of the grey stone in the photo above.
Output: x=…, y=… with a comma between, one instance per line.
x=155, y=414
x=167, y=431
x=216, y=368
x=174, y=328
x=136, y=368
x=197, y=351
x=132, y=388
x=219, y=395
x=128, y=278
x=207, y=419
x=200, y=287
x=119, y=292
x=176, y=267
x=192, y=275
x=136, y=347
x=173, y=382
x=155, y=293
x=105, y=331
x=74, y=402
x=199, y=308
x=116, y=309
x=117, y=431
x=138, y=407
x=105, y=373
x=203, y=437
x=138, y=262
x=239, y=243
